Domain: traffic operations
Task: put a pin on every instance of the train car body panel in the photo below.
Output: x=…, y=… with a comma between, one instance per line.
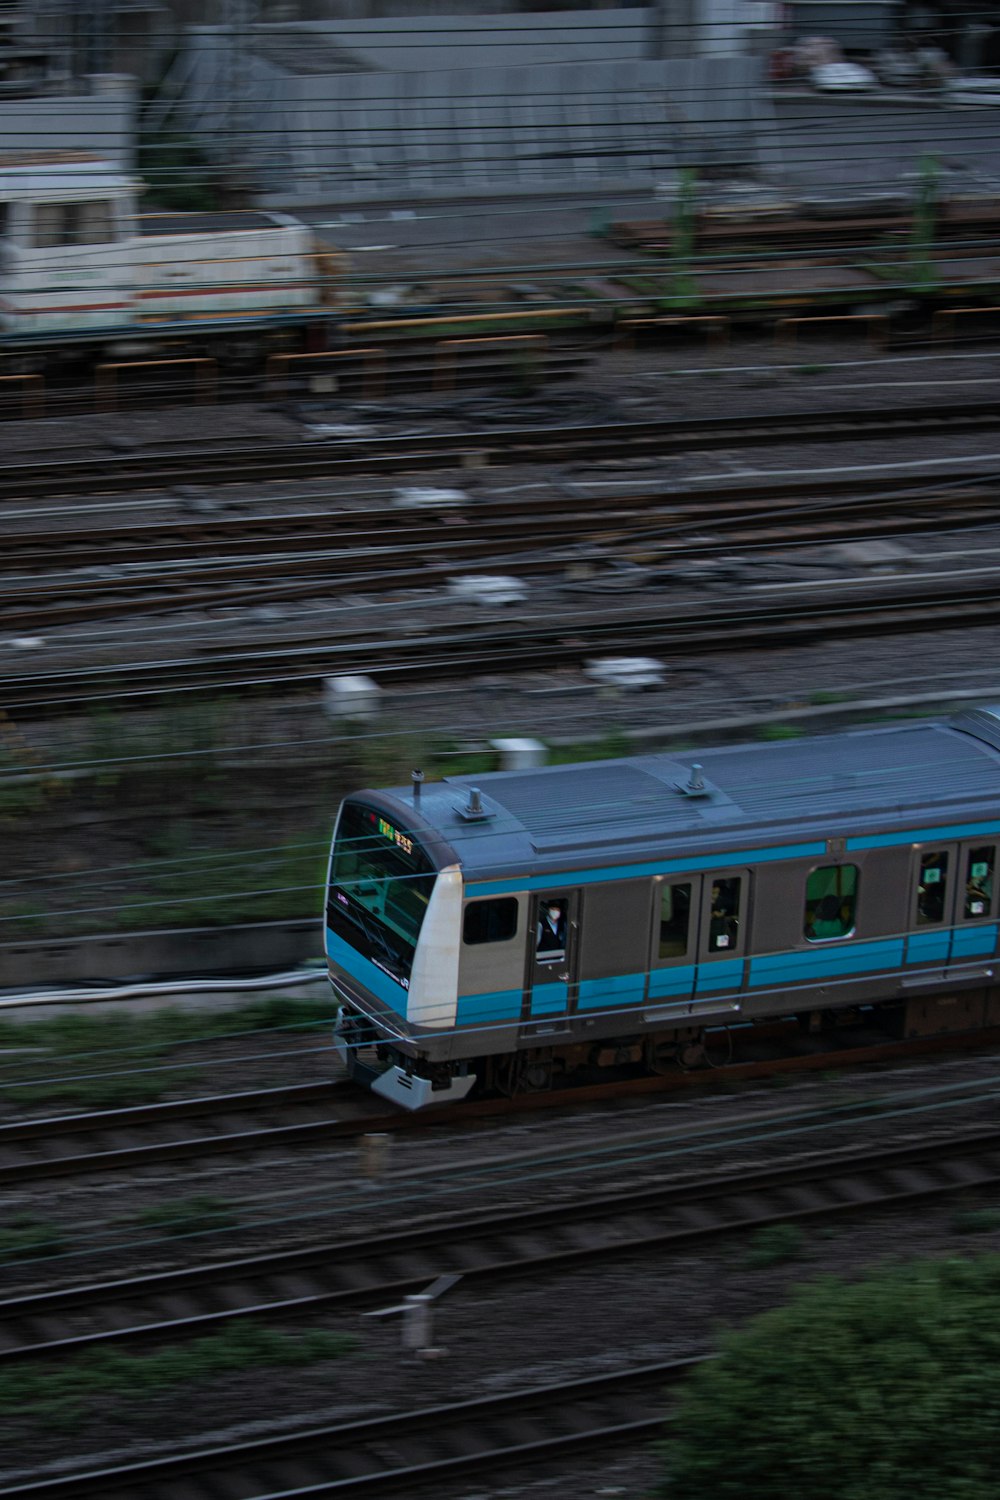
x=77, y=259
x=566, y=906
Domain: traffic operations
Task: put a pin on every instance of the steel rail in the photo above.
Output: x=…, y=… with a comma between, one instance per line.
x=76, y=1145
x=533, y=545
x=513, y=646
x=119, y=540
x=401, y=1451
x=128, y=472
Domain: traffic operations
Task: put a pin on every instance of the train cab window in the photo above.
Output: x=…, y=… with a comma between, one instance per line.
x=932, y=888
x=831, y=902
x=980, y=863
x=550, y=935
x=490, y=921
x=72, y=224
x=675, y=920
x=724, y=914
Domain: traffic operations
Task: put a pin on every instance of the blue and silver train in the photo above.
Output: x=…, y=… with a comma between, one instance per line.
x=549, y=923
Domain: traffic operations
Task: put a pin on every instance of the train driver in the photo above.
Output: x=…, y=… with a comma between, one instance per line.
x=550, y=944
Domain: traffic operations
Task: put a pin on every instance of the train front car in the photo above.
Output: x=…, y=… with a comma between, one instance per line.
x=393, y=915
x=567, y=922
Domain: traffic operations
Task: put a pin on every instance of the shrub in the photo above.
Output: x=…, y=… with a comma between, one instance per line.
x=882, y=1390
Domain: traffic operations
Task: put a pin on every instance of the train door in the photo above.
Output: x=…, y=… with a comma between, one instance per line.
x=954, y=903
x=722, y=931
x=975, y=931
x=932, y=904
x=552, y=980
x=676, y=909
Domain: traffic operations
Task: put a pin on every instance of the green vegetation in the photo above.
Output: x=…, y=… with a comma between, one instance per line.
x=25, y=1237
x=780, y=732
x=62, y=1395
x=683, y=293
x=923, y=270
x=199, y=1215
x=884, y=1389
x=111, y=1061
x=774, y=1244
x=976, y=1221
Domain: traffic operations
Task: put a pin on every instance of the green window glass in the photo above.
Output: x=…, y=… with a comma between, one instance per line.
x=932, y=890
x=724, y=915
x=979, y=882
x=831, y=902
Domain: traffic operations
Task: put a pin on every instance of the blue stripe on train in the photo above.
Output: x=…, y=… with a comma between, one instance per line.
x=929, y=947
x=498, y=1005
x=726, y=974
x=728, y=859
x=922, y=835
x=827, y=962
x=618, y=989
x=382, y=985
x=669, y=984
x=973, y=942
x=550, y=999
x=650, y=867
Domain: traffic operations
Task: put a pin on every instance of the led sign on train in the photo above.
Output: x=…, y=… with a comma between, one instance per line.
x=394, y=836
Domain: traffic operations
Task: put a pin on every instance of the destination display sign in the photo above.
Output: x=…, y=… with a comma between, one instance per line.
x=394, y=836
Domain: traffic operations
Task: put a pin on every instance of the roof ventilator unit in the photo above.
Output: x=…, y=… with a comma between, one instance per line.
x=696, y=785
x=474, y=811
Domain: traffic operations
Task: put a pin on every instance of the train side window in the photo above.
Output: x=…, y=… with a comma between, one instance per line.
x=550, y=935
x=831, y=902
x=724, y=914
x=932, y=888
x=72, y=224
x=675, y=920
x=980, y=863
x=492, y=921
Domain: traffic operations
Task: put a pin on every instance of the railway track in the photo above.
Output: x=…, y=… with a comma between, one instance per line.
x=534, y=639
x=242, y=463
x=99, y=1142
x=170, y=566
x=412, y=1452
x=145, y=1135
x=353, y=1274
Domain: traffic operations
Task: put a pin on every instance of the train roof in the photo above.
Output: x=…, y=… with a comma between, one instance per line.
x=560, y=818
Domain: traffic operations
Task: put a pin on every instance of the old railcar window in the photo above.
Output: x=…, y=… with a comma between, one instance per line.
x=932, y=890
x=72, y=224
x=724, y=916
x=979, y=882
x=831, y=902
x=675, y=920
x=490, y=921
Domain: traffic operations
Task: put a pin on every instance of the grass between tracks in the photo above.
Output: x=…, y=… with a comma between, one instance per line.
x=107, y=1061
x=183, y=818
x=63, y=1395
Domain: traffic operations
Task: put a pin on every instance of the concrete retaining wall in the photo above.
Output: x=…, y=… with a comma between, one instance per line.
x=559, y=102
x=192, y=951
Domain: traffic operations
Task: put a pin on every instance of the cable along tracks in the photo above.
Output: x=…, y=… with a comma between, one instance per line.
x=251, y=560
x=244, y=463
x=404, y=1450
